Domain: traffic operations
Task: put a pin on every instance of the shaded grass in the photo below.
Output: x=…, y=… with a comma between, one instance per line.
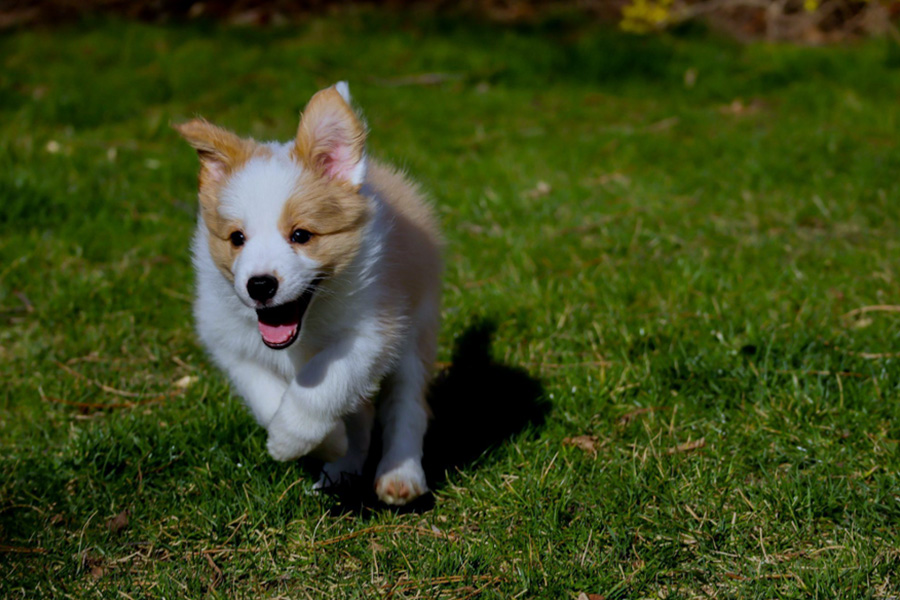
x=682, y=274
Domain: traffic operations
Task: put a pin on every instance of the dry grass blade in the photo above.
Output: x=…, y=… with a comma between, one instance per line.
x=218, y=576
x=102, y=386
x=406, y=584
x=477, y=591
x=687, y=446
x=574, y=365
x=382, y=528
x=105, y=405
x=820, y=373
x=86, y=406
x=873, y=355
x=284, y=493
x=20, y=550
x=874, y=308
x=864, y=355
x=629, y=416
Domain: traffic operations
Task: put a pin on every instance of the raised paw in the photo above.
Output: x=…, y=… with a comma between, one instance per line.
x=401, y=484
x=285, y=446
x=289, y=440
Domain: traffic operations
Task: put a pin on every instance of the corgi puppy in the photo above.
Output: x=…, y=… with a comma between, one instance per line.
x=318, y=287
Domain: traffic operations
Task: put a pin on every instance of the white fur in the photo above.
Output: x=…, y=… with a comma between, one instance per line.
x=358, y=172
x=344, y=90
x=314, y=397
x=254, y=196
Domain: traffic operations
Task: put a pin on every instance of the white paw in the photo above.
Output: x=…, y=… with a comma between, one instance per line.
x=324, y=483
x=290, y=439
x=400, y=484
x=285, y=445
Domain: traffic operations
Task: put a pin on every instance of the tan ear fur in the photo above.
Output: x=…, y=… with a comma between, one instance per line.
x=331, y=139
x=220, y=151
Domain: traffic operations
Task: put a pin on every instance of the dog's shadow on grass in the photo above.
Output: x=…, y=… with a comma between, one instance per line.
x=477, y=404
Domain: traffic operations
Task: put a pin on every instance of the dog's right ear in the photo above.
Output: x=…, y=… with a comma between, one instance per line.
x=331, y=138
x=220, y=151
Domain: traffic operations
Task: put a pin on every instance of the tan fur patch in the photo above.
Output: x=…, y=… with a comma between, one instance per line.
x=330, y=139
x=413, y=261
x=414, y=250
x=335, y=214
x=223, y=252
x=221, y=153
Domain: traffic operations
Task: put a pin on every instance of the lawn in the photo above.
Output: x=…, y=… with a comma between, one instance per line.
x=670, y=340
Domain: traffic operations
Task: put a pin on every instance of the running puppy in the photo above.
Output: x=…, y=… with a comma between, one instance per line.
x=318, y=284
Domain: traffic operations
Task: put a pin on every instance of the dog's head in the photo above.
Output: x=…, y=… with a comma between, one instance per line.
x=281, y=218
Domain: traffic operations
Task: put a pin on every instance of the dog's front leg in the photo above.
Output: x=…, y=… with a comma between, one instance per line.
x=261, y=389
x=328, y=387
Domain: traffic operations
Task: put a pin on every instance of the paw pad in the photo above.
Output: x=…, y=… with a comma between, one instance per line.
x=399, y=487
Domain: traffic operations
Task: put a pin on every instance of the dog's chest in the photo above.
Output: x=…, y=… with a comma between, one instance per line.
x=285, y=363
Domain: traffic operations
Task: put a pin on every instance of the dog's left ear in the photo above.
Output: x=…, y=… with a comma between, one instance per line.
x=331, y=139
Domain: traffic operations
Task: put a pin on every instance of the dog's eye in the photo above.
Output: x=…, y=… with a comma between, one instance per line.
x=237, y=238
x=301, y=236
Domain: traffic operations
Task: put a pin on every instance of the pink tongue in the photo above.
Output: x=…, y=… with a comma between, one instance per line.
x=277, y=334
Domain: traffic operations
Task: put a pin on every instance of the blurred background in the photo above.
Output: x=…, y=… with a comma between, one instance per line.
x=802, y=21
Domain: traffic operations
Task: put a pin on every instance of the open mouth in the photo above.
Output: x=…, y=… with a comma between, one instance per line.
x=280, y=325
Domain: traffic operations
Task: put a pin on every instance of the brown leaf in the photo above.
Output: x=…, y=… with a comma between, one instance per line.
x=583, y=596
x=687, y=446
x=118, y=522
x=588, y=443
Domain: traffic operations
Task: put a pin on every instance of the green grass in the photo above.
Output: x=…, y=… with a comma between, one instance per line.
x=683, y=273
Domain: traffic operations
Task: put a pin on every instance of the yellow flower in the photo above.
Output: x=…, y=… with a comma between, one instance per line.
x=642, y=16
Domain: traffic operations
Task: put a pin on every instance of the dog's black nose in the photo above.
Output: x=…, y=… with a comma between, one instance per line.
x=262, y=288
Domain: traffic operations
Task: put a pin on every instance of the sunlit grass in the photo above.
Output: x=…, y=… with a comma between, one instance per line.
x=668, y=235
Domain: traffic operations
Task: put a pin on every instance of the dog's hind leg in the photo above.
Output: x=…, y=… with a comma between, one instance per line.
x=404, y=419
x=359, y=434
